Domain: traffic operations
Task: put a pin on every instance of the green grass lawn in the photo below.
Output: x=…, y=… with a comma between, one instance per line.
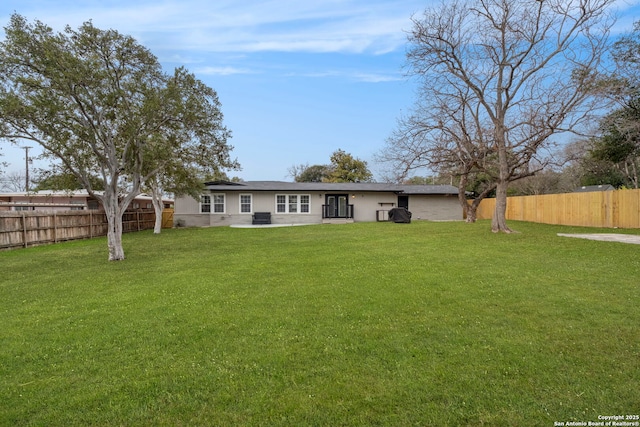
x=426, y=324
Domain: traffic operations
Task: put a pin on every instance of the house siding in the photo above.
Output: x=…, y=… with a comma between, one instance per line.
x=435, y=208
x=366, y=205
x=188, y=214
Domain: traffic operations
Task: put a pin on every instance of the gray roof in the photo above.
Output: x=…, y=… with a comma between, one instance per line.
x=589, y=188
x=330, y=187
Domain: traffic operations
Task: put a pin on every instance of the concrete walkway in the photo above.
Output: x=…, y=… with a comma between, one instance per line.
x=607, y=237
x=265, y=225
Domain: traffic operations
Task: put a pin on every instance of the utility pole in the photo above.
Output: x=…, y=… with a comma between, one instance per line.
x=26, y=163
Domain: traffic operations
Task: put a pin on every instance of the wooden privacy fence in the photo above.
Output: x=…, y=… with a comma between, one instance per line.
x=30, y=228
x=619, y=208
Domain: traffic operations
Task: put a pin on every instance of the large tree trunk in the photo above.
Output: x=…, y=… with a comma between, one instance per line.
x=115, y=207
x=158, y=207
x=499, y=221
x=114, y=231
x=462, y=198
x=472, y=210
x=114, y=236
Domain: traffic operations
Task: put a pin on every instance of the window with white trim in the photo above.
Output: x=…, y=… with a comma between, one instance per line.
x=246, y=203
x=293, y=203
x=305, y=203
x=205, y=204
x=218, y=203
x=281, y=203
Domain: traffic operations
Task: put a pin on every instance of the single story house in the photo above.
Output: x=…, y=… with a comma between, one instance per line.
x=237, y=203
x=50, y=200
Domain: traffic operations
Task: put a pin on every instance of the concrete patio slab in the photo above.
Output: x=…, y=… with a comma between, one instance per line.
x=606, y=237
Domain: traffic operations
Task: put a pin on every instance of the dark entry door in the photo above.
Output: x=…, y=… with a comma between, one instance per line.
x=336, y=205
x=403, y=202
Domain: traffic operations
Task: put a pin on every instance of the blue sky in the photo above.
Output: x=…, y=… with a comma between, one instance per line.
x=297, y=79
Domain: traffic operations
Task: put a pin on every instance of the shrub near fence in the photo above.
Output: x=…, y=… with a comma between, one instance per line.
x=30, y=228
x=611, y=209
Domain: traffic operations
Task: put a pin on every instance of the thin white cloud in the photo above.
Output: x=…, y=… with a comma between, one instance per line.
x=625, y=16
x=343, y=26
x=221, y=71
x=377, y=78
x=356, y=76
x=350, y=26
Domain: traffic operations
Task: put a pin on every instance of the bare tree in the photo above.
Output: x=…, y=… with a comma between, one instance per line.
x=525, y=69
x=12, y=182
x=446, y=135
x=2, y=164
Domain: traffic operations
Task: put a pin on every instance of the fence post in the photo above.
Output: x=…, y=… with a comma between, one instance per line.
x=55, y=227
x=24, y=230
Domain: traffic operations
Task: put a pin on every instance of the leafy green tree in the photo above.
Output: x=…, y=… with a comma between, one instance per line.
x=343, y=168
x=99, y=102
x=192, y=144
x=597, y=172
x=346, y=168
x=306, y=173
x=315, y=173
x=56, y=179
x=617, y=159
x=614, y=156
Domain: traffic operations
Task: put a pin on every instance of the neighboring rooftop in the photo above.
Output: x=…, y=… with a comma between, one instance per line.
x=66, y=193
x=590, y=188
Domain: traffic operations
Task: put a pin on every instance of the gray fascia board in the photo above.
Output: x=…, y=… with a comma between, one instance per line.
x=331, y=187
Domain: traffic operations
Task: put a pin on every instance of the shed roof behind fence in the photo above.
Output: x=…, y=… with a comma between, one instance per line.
x=589, y=188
